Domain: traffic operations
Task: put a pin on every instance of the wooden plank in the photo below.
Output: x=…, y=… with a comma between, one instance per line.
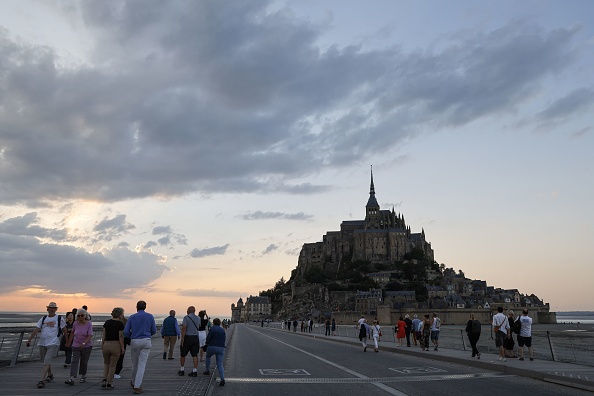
x=160, y=377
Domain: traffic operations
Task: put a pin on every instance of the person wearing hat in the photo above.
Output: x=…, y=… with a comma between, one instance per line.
x=49, y=326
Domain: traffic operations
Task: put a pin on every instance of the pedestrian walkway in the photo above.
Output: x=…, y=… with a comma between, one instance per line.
x=160, y=377
x=568, y=374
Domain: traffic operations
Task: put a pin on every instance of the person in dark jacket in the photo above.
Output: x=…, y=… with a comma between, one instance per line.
x=474, y=333
x=408, y=329
x=215, y=344
x=170, y=332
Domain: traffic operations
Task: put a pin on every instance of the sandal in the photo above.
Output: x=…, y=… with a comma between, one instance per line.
x=104, y=383
x=49, y=378
x=110, y=387
x=40, y=384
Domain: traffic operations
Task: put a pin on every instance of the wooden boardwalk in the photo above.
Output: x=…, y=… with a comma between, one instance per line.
x=160, y=377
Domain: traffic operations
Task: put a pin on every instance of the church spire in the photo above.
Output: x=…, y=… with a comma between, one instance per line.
x=371, y=187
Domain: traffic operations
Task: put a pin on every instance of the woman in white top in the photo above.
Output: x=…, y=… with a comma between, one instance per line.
x=375, y=332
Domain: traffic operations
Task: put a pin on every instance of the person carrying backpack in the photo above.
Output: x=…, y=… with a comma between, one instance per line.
x=473, y=329
x=49, y=327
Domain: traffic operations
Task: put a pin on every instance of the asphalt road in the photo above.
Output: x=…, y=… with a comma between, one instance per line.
x=262, y=361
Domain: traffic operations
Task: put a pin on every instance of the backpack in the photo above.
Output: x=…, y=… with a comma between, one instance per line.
x=475, y=327
x=517, y=326
x=59, y=322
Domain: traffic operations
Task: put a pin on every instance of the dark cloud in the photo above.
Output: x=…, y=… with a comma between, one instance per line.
x=259, y=215
x=26, y=226
x=271, y=248
x=204, y=97
x=213, y=251
x=162, y=230
x=109, y=229
x=28, y=263
x=577, y=101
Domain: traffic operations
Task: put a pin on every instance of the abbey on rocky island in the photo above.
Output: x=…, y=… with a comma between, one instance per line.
x=382, y=236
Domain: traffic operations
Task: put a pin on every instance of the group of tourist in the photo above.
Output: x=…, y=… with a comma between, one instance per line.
x=504, y=327
x=74, y=335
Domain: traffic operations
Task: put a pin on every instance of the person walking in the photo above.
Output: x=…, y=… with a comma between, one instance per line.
x=408, y=329
x=417, y=325
x=425, y=332
x=120, y=363
x=140, y=328
x=473, y=330
x=112, y=346
x=376, y=333
x=215, y=341
x=400, y=331
x=333, y=327
x=189, y=341
x=363, y=333
x=509, y=343
x=501, y=329
x=525, y=336
x=82, y=345
x=50, y=327
x=327, y=326
x=67, y=350
x=435, y=329
x=170, y=333
x=295, y=323
x=203, y=329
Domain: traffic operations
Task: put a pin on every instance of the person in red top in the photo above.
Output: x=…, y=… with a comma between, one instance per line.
x=401, y=331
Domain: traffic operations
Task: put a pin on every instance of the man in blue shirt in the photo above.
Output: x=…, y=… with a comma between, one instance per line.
x=170, y=333
x=140, y=328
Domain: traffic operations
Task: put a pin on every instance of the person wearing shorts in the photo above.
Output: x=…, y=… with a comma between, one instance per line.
x=435, y=328
x=525, y=336
x=50, y=326
x=189, y=341
x=500, y=323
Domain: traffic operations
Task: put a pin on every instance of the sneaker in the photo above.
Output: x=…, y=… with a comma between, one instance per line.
x=193, y=374
x=117, y=376
x=531, y=359
x=104, y=383
x=206, y=372
x=522, y=359
x=69, y=381
x=109, y=387
x=222, y=383
x=435, y=349
x=181, y=373
x=499, y=358
x=137, y=391
x=504, y=360
x=83, y=380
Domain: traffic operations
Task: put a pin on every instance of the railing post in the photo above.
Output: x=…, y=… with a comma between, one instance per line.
x=17, y=348
x=551, y=346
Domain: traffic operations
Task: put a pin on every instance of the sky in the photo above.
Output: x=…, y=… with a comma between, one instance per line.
x=183, y=152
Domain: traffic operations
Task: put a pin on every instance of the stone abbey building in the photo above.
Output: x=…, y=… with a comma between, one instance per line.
x=382, y=236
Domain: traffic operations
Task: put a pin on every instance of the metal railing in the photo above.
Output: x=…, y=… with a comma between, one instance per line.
x=13, y=348
x=556, y=345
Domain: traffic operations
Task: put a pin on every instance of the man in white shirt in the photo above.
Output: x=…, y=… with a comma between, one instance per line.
x=525, y=336
x=49, y=326
x=501, y=329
